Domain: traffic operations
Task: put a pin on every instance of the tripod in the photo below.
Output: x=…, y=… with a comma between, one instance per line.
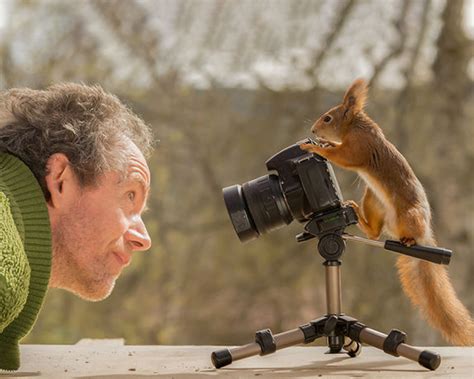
x=342, y=332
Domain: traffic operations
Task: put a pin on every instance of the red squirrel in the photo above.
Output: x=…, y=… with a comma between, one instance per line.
x=394, y=200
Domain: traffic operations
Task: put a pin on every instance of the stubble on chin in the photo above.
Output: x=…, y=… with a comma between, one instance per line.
x=95, y=291
x=91, y=283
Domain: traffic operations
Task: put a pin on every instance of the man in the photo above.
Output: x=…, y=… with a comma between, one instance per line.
x=73, y=184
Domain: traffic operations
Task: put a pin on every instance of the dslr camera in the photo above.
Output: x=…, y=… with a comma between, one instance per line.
x=301, y=186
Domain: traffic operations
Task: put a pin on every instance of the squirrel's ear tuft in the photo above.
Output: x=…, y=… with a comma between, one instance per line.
x=356, y=96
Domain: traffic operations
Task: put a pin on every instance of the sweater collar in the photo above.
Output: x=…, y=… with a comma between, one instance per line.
x=30, y=214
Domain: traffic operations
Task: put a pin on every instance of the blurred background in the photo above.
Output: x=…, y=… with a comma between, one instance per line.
x=225, y=85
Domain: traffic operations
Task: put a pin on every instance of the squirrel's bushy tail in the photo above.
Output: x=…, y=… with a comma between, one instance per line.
x=429, y=288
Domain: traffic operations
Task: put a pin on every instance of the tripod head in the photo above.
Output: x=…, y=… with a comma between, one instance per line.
x=329, y=228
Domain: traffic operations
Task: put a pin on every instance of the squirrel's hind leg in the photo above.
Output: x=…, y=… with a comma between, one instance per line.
x=371, y=214
x=374, y=213
x=412, y=227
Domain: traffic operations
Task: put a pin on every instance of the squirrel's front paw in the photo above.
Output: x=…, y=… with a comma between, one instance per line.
x=408, y=241
x=325, y=143
x=307, y=147
x=351, y=203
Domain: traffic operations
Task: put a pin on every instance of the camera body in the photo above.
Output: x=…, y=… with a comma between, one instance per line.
x=303, y=186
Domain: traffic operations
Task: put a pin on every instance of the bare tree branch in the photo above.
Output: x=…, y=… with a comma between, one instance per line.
x=6, y=72
x=213, y=36
x=409, y=72
x=404, y=98
x=331, y=38
x=454, y=49
x=134, y=30
x=398, y=48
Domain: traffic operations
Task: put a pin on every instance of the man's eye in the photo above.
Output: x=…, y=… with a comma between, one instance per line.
x=131, y=195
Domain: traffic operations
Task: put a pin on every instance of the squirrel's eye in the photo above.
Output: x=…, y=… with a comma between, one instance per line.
x=327, y=119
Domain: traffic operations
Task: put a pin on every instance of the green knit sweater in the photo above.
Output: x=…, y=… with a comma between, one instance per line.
x=25, y=255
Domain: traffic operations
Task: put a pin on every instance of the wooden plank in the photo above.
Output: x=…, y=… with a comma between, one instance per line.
x=101, y=360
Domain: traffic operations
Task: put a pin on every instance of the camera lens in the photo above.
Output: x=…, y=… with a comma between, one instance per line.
x=257, y=207
x=239, y=213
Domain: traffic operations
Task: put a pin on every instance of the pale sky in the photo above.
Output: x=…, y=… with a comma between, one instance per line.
x=468, y=22
x=2, y=13
x=468, y=15
x=469, y=18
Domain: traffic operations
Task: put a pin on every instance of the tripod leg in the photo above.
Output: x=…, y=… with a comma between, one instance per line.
x=265, y=343
x=333, y=302
x=394, y=344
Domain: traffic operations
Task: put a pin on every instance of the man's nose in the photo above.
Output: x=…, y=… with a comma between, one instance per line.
x=137, y=236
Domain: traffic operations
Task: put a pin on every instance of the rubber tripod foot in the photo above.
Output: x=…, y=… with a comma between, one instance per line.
x=221, y=358
x=429, y=359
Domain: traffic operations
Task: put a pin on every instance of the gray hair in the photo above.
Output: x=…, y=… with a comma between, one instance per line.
x=91, y=127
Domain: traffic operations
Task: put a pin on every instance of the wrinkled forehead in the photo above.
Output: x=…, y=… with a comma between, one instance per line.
x=138, y=174
x=135, y=167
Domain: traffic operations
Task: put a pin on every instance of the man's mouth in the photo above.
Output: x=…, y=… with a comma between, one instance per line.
x=123, y=258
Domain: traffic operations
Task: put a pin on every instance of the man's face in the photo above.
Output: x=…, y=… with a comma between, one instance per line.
x=96, y=230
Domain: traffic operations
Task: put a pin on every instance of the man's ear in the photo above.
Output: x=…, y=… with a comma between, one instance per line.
x=60, y=179
x=355, y=98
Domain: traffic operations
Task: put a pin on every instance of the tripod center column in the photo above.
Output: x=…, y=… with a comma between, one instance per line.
x=333, y=287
